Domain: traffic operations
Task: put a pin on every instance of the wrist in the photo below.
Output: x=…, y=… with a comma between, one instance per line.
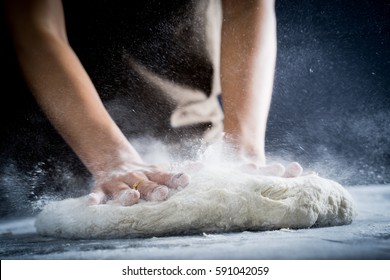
x=114, y=160
x=246, y=148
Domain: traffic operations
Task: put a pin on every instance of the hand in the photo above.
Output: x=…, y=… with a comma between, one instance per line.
x=294, y=169
x=136, y=181
x=256, y=164
x=251, y=159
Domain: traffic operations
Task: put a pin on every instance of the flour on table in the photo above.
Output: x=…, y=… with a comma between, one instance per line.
x=214, y=201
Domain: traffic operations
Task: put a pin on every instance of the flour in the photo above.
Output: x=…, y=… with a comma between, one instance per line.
x=216, y=200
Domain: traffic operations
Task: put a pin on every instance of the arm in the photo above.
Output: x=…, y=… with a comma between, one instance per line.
x=248, y=57
x=66, y=94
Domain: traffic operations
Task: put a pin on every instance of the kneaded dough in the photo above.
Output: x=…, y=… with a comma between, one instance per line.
x=214, y=201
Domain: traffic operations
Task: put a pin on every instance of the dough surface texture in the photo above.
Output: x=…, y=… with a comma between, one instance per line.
x=214, y=201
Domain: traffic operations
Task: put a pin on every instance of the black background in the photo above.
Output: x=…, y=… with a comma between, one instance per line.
x=330, y=109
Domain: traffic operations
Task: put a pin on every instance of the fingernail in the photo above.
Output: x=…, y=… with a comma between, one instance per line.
x=159, y=194
x=128, y=197
x=95, y=198
x=180, y=180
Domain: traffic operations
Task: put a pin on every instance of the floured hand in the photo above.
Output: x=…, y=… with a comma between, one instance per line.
x=251, y=159
x=294, y=169
x=134, y=182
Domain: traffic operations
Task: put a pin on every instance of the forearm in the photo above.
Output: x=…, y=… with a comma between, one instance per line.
x=66, y=94
x=68, y=97
x=247, y=71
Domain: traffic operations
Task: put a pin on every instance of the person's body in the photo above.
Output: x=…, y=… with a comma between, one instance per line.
x=65, y=92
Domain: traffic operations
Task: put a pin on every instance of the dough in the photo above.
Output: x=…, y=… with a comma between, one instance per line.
x=214, y=201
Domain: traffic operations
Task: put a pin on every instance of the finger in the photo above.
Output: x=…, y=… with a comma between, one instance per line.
x=159, y=193
x=151, y=191
x=275, y=169
x=294, y=169
x=112, y=190
x=268, y=170
x=178, y=180
x=127, y=197
x=95, y=198
x=172, y=180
